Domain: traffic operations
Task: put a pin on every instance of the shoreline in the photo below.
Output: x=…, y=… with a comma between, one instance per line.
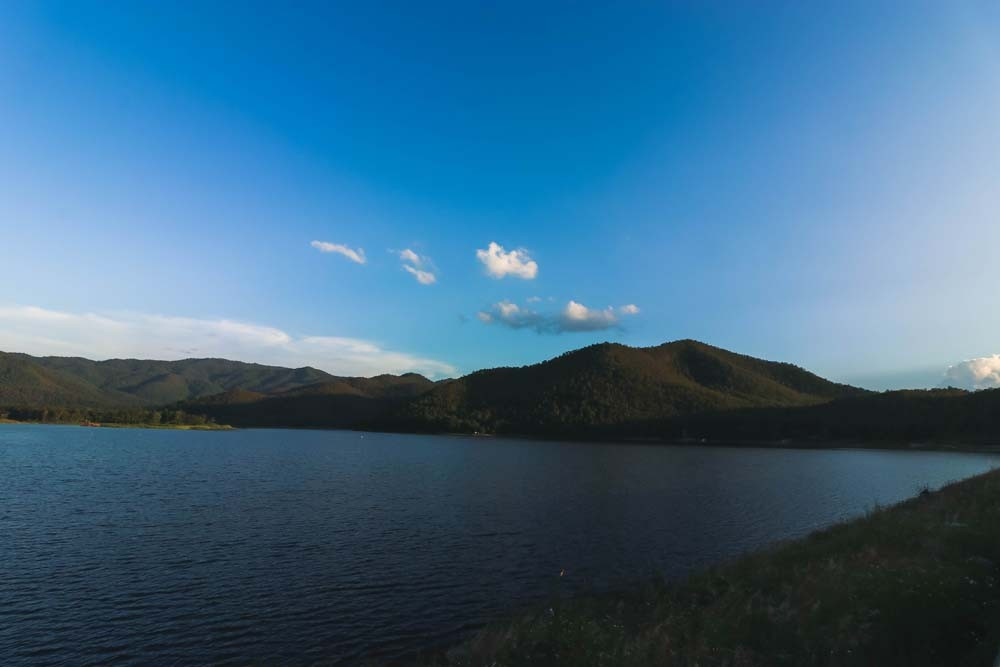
x=158, y=427
x=956, y=445
x=171, y=427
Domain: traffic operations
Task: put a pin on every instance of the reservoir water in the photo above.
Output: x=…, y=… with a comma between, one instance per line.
x=127, y=546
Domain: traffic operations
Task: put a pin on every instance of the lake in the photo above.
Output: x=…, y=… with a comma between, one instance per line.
x=290, y=547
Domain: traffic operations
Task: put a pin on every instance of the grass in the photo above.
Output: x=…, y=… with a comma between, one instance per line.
x=913, y=584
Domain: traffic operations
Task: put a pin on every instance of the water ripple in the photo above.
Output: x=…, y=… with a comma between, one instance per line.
x=299, y=547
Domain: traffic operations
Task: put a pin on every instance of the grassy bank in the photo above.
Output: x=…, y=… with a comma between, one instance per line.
x=914, y=584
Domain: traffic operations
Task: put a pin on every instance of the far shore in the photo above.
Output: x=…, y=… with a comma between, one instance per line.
x=955, y=445
x=169, y=427
x=173, y=427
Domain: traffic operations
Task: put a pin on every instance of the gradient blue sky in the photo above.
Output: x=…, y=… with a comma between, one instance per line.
x=808, y=182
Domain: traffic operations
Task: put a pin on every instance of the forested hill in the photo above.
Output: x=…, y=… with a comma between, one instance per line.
x=342, y=403
x=27, y=381
x=614, y=389
x=904, y=417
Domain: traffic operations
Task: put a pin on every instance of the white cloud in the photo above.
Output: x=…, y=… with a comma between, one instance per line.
x=630, y=309
x=533, y=299
x=573, y=317
x=513, y=316
x=419, y=266
x=577, y=317
x=41, y=332
x=408, y=255
x=423, y=277
x=350, y=253
x=972, y=374
x=500, y=263
x=508, y=309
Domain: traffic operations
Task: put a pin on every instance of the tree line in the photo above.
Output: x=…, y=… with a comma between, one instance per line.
x=64, y=415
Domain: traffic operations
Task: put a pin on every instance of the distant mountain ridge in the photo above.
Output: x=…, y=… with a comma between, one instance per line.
x=76, y=382
x=679, y=391
x=601, y=390
x=24, y=382
x=342, y=403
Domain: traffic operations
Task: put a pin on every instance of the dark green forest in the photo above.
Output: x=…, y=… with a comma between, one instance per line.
x=64, y=415
x=902, y=417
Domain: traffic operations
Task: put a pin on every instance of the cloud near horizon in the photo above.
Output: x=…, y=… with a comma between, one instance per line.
x=43, y=332
x=974, y=374
x=573, y=317
x=500, y=263
x=357, y=256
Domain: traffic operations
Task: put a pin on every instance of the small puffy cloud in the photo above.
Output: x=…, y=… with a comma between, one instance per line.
x=630, y=309
x=533, y=299
x=408, y=255
x=500, y=263
x=511, y=315
x=573, y=317
x=419, y=266
x=577, y=317
x=350, y=253
x=508, y=309
x=973, y=374
x=42, y=332
x=423, y=277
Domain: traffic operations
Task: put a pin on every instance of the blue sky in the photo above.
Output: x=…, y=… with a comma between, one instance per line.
x=808, y=183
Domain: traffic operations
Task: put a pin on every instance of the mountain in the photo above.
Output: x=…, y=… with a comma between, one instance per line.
x=906, y=417
x=680, y=390
x=340, y=403
x=77, y=382
x=611, y=388
x=605, y=389
x=24, y=382
x=601, y=390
